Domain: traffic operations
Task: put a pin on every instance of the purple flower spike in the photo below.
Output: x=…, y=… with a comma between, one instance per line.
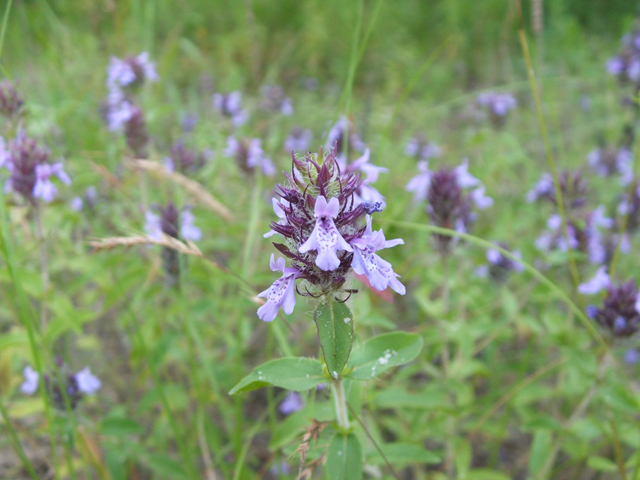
x=31, y=378
x=152, y=226
x=379, y=272
x=87, y=382
x=325, y=237
x=282, y=293
x=44, y=188
x=599, y=281
x=464, y=178
x=292, y=403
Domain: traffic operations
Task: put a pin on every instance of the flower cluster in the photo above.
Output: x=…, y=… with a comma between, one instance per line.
x=421, y=149
x=179, y=224
x=29, y=169
x=572, y=186
x=498, y=105
x=498, y=265
x=586, y=232
x=275, y=100
x=230, y=106
x=123, y=77
x=343, y=135
x=322, y=237
x=609, y=161
x=626, y=65
x=89, y=199
x=184, y=160
x=298, y=140
x=10, y=101
x=70, y=387
x=449, y=205
x=620, y=311
x=249, y=155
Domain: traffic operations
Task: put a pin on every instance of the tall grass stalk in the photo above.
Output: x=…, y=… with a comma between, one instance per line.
x=550, y=158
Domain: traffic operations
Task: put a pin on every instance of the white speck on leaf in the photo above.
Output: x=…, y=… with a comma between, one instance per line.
x=347, y=320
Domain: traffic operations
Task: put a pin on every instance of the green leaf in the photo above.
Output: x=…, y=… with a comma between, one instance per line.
x=433, y=398
x=540, y=451
x=383, y=352
x=601, y=464
x=291, y=373
x=165, y=465
x=335, y=329
x=486, y=474
x=120, y=427
x=344, y=458
x=400, y=454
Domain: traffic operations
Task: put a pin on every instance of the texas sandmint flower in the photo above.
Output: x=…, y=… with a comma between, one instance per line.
x=449, y=200
x=498, y=265
x=366, y=192
x=342, y=132
x=292, y=403
x=183, y=159
x=10, y=101
x=135, y=131
x=419, y=148
x=249, y=155
x=572, y=186
x=274, y=99
x=230, y=106
x=632, y=209
x=608, y=161
x=626, y=65
x=130, y=72
x=498, y=105
x=298, y=140
x=30, y=171
x=65, y=388
x=318, y=221
x=620, y=311
x=175, y=223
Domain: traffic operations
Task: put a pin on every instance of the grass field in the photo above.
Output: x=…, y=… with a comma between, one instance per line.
x=138, y=191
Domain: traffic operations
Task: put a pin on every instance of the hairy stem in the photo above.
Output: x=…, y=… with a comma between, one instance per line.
x=340, y=403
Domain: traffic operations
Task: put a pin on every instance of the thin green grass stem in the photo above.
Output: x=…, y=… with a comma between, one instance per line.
x=550, y=158
x=17, y=446
x=625, y=220
x=27, y=318
x=5, y=22
x=237, y=472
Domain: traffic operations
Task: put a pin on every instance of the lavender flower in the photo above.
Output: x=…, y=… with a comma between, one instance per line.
x=135, y=130
x=279, y=213
x=631, y=356
x=379, y=272
x=572, y=185
x=10, y=101
x=631, y=209
x=249, y=155
x=498, y=105
x=292, y=403
x=29, y=170
x=608, y=161
x=499, y=266
x=65, y=389
x=118, y=110
x=419, y=148
x=275, y=100
x=599, y=282
x=89, y=198
x=318, y=221
x=367, y=193
x=419, y=184
x=298, y=140
x=325, y=237
x=230, y=106
x=87, y=382
x=620, y=312
x=175, y=223
x=31, y=379
x=184, y=160
x=337, y=136
x=130, y=72
x=281, y=294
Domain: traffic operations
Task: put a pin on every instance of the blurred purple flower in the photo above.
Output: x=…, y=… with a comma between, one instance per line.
x=298, y=140
x=31, y=379
x=87, y=382
x=599, y=282
x=292, y=403
x=230, y=106
x=249, y=155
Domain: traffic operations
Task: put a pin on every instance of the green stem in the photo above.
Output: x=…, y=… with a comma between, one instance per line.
x=550, y=159
x=340, y=403
x=17, y=446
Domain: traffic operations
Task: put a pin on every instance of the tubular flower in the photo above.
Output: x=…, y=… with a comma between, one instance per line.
x=365, y=261
x=281, y=294
x=325, y=237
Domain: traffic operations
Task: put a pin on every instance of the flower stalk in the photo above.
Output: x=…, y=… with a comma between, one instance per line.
x=340, y=403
